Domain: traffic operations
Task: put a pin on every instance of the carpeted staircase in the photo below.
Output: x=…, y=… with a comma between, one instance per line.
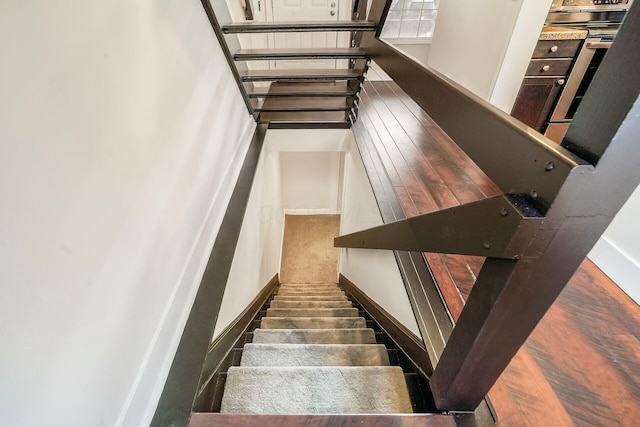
x=313, y=354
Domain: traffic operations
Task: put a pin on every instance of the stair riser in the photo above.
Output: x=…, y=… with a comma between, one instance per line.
x=312, y=322
x=299, y=27
x=299, y=78
x=299, y=53
x=309, y=285
x=311, y=304
x=312, y=312
x=314, y=336
x=299, y=90
x=309, y=292
x=310, y=298
x=312, y=121
x=302, y=95
x=301, y=109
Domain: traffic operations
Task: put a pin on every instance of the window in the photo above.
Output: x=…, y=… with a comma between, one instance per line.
x=411, y=19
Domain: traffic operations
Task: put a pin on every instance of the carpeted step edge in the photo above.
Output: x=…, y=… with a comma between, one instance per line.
x=256, y=354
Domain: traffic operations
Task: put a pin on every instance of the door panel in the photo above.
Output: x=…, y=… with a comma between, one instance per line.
x=305, y=10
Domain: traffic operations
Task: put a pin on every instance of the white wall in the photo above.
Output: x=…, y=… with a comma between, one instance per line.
x=374, y=271
x=310, y=181
x=257, y=257
x=477, y=43
x=418, y=50
x=310, y=168
x=516, y=58
x=121, y=135
x=617, y=253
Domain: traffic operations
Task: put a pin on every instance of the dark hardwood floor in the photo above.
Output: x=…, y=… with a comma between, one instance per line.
x=581, y=366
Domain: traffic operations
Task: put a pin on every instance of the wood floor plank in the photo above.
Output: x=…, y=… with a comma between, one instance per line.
x=460, y=271
x=475, y=173
x=446, y=284
x=602, y=386
x=444, y=176
x=419, y=164
x=373, y=134
x=523, y=397
x=474, y=263
x=406, y=201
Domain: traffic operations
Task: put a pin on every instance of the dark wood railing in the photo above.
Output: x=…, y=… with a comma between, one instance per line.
x=218, y=13
x=558, y=201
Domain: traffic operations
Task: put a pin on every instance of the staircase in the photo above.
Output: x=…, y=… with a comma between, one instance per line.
x=296, y=98
x=313, y=354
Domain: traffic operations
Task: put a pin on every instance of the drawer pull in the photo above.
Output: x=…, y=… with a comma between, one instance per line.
x=560, y=82
x=553, y=49
x=546, y=68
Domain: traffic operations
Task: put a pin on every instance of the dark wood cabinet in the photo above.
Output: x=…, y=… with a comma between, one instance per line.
x=544, y=80
x=549, y=67
x=556, y=49
x=535, y=100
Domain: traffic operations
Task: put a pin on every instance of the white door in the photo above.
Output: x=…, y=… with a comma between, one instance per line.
x=300, y=11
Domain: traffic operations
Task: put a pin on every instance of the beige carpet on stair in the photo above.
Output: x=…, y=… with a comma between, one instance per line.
x=308, y=254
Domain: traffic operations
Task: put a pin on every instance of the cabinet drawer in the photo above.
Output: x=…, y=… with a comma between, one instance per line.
x=556, y=48
x=548, y=67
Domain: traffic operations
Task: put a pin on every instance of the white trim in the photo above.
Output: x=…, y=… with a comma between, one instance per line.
x=618, y=265
x=298, y=140
x=312, y=212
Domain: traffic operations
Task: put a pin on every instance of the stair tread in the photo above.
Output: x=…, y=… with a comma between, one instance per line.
x=297, y=26
x=295, y=390
x=304, y=104
x=299, y=53
x=257, y=354
x=302, y=89
x=312, y=312
x=312, y=322
x=315, y=336
x=301, y=74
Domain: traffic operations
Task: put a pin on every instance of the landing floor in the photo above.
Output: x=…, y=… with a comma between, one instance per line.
x=581, y=366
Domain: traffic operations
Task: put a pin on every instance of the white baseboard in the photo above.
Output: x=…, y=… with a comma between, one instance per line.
x=616, y=264
x=311, y=212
